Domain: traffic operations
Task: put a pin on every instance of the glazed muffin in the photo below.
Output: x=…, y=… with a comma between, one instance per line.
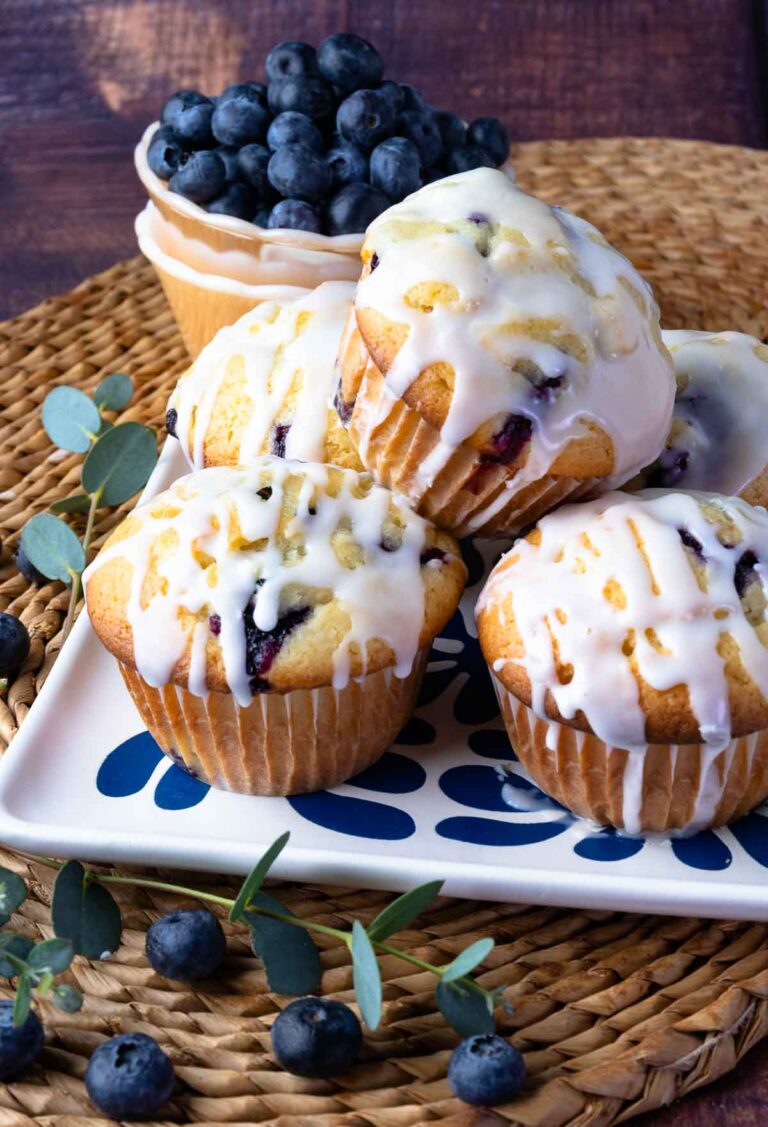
x=502, y=356
x=718, y=438
x=265, y=385
x=628, y=644
x=272, y=623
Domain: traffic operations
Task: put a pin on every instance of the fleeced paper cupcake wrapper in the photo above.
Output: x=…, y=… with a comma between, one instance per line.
x=666, y=788
x=467, y=496
x=282, y=743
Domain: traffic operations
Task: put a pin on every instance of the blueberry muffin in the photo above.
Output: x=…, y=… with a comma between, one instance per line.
x=628, y=643
x=265, y=385
x=502, y=356
x=718, y=437
x=272, y=623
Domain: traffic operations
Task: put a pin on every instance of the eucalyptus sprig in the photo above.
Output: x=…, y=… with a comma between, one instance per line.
x=85, y=915
x=119, y=460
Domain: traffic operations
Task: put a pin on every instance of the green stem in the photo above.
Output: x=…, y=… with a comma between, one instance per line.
x=77, y=578
x=163, y=886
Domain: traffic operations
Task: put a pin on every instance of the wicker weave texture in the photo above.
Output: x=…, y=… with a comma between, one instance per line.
x=617, y=1014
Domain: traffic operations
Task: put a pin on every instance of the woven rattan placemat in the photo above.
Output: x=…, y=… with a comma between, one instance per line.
x=617, y=1014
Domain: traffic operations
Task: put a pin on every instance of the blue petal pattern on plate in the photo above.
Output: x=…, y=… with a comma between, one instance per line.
x=128, y=768
x=607, y=845
x=479, y=787
x=358, y=817
x=178, y=790
x=416, y=731
x=751, y=832
x=491, y=831
x=392, y=774
x=704, y=850
x=492, y=743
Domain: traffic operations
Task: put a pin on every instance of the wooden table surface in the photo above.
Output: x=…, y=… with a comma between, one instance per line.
x=79, y=80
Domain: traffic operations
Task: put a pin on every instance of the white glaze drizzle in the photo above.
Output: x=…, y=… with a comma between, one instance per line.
x=384, y=597
x=283, y=346
x=558, y=592
x=720, y=412
x=624, y=382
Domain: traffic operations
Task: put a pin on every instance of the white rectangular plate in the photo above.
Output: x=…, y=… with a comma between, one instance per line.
x=84, y=779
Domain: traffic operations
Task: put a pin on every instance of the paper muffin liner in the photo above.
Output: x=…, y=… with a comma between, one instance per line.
x=281, y=743
x=665, y=788
x=466, y=496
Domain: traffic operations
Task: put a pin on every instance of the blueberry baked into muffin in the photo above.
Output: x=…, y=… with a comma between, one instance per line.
x=265, y=385
x=502, y=356
x=272, y=623
x=628, y=642
x=719, y=434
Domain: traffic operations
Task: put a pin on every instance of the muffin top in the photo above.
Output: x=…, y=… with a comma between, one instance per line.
x=516, y=327
x=718, y=437
x=641, y=618
x=278, y=576
x=265, y=386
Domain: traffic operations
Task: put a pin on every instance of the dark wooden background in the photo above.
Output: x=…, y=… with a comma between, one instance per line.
x=79, y=80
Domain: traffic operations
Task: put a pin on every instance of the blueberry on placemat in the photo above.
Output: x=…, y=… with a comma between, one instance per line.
x=28, y=569
x=200, y=176
x=486, y=1070
x=129, y=1075
x=19, y=1045
x=14, y=644
x=186, y=945
x=316, y=1037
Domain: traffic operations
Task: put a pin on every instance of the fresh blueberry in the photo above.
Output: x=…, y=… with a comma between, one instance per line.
x=261, y=218
x=452, y=129
x=394, y=93
x=303, y=93
x=252, y=164
x=353, y=208
x=486, y=1070
x=229, y=156
x=298, y=172
x=316, y=1037
x=19, y=1045
x=165, y=152
x=186, y=944
x=171, y=418
x=192, y=125
x=14, y=644
x=28, y=569
x=129, y=1075
x=263, y=646
x=293, y=128
x=349, y=62
x=297, y=214
x=290, y=58
x=395, y=167
x=347, y=163
x=413, y=99
x=365, y=118
x=200, y=177
x=241, y=119
x=251, y=90
x=466, y=158
x=422, y=128
x=490, y=134
x=237, y=200
x=180, y=101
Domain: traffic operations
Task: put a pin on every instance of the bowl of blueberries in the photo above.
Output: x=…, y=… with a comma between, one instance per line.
x=272, y=184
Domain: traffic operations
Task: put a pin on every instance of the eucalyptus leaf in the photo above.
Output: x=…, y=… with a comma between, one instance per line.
x=52, y=547
x=53, y=955
x=256, y=877
x=77, y=503
x=70, y=418
x=366, y=976
x=44, y=983
x=83, y=912
x=402, y=911
x=120, y=463
x=67, y=998
x=291, y=960
x=13, y=893
x=22, y=1003
x=114, y=392
x=466, y=1010
x=18, y=946
x=468, y=960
